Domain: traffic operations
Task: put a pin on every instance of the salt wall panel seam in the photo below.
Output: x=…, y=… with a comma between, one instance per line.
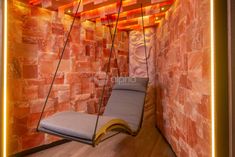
x=36, y=38
x=183, y=78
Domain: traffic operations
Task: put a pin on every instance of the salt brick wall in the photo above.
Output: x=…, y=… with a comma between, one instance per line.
x=36, y=38
x=183, y=78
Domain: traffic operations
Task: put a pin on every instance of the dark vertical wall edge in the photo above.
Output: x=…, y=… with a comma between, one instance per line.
x=231, y=47
x=1, y=65
x=221, y=80
x=233, y=69
x=230, y=79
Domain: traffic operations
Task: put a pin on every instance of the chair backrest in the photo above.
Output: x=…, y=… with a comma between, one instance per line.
x=127, y=101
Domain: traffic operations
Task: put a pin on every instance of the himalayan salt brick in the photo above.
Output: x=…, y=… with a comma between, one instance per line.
x=83, y=66
x=16, y=85
x=19, y=129
x=30, y=92
x=59, y=79
x=57, y=29
x=47, y=56
x=46, y=67
x=104, y=43
x=81, y=106
x=91, y=107
x=40, y=12
x=61, y=87
x=75, y=89
x=64, y=65
x=87, y=50
x=30, y=71
x=121, y=52
x=206, y=131
x=204, y=107
x=33, y=120
x=99, y=1
x=21, y=111
x=87, y=86
x=29, y=40
x=75, y=37
x=50, y=138
x=106, y=53
x=89, y=35
x=32, y=140
x=195, y=61
x=191, y=132
x=25, y=50
x=14, y=145
x=63, y=96
x=43, y=91
x=86, y=2
x=65, y=106
x=73, y=77
x=36, y=105
x=206, y=72
x=82, y=97
x=66, y=54
x=46, y=3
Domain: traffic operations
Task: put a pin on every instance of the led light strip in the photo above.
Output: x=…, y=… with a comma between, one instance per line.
x=5, y=40
x=5, y=80
x=212, y=79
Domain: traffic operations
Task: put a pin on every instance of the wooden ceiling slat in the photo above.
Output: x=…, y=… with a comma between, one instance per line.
x=92, y=6
x=100, y=9
x=124, y=9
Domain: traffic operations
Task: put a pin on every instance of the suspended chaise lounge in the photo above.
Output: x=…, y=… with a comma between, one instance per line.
x=123, y=112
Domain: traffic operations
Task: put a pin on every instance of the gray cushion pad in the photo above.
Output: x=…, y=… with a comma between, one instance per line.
x=131, y=87
x=74, y=124
x=131, y=83
x=135, y=80
x=125, y=103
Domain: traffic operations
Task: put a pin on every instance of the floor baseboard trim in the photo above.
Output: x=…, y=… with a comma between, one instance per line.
x=39, y=148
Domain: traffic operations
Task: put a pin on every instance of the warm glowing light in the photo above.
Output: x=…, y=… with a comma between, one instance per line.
x=162, y=8
x=212, y=79
x=69, y=11
x=131, y=20
x=34, y=2
x=128, y=2
x=5, y=81
x=94, y=13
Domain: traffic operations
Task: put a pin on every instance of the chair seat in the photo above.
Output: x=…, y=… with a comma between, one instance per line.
x=74, y=124
x=124, y=112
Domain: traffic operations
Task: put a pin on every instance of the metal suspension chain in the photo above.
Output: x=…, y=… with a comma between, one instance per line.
x=145, y=47
x=116, y=55
x=102, y=95
x=58, y=65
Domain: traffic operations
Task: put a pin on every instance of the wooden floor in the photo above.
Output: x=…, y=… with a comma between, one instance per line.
x=148, y=143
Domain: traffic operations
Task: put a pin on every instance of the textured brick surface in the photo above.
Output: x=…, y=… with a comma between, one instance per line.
x=138, y=57
x=183, y=78
x=34, y=51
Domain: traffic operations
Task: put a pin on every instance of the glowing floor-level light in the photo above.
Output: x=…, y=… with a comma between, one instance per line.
x=212, y=79
x=5, y=43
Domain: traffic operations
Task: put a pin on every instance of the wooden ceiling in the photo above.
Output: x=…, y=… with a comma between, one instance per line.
x=105, y=11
